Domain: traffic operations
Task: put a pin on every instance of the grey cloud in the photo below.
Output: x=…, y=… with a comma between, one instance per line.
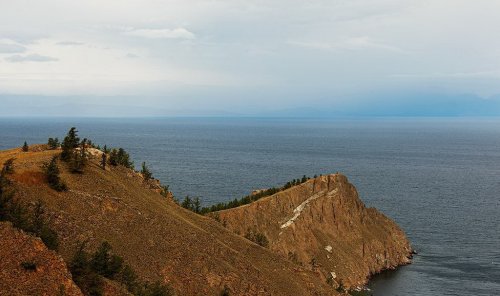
x=30, y=58
x=177, y=33
x=70, y=43
x=11, y=48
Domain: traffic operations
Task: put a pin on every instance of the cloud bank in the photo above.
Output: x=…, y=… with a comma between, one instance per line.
x=252, y=55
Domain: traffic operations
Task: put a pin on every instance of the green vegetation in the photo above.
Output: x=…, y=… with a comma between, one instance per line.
x=53, y=143
x=193, y=204
x=257, y=237
x=104, y=160
x=30, y=220
x=25, y=147
x=145, y=172
x=8, y=167
x=40, y=228
x=52, y=172
x=164, y=190
x=120, y=157
x=89, y=270
x=70, y=142
x=29, y=266
x=84, y=276
x=252, y=197
x=79, y=158
x=225, y=291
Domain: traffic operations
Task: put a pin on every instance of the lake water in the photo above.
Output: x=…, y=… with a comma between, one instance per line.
x=439, y=179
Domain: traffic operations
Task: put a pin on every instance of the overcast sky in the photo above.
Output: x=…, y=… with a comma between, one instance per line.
x=249, y=57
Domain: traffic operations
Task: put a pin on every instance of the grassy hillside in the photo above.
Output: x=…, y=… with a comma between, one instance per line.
x=162, y=241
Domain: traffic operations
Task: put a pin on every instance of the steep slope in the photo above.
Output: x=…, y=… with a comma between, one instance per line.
x=159, y=239
x=27, y=267
x=323, y=225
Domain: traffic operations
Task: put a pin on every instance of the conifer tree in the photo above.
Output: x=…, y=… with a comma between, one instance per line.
x=69, y=143
x=52, y=173
x=53, y=143
x=196, y=205
x=146, y=173
x=79, y=158
x=25, y=147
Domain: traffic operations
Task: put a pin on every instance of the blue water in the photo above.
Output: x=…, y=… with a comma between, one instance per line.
x=438, y=178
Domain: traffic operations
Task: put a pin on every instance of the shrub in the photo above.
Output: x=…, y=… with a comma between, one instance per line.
x=257, y=237
x=252, y=197
x=104, y=159
x=104, y=263
x=40, y=228
x=79, y=158
x=8, y=167
x=88, y=271
x=30, y=266
x=52, y=172
x=145, y=172
x=53, y=143
x=83, y=275
x=154, y=289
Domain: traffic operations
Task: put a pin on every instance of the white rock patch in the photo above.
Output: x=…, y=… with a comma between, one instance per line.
x=298, y=210
x=329, y=248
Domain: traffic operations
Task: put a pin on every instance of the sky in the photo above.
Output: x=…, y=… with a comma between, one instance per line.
x=246, y=58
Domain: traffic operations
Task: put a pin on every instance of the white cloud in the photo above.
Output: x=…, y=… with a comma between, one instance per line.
x=30, y=58
x=177, y=33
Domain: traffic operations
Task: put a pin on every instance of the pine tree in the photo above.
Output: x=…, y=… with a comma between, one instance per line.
x=25, y=147
x=79, y=158
x=196, y=205
x=52, y=173
x=146, y=174
x=69, y=143
x=53, y=143
x=187, y=203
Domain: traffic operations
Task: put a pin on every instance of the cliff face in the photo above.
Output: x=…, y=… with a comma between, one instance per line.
x=324, y=226
x=27, y=267
x=160, y=240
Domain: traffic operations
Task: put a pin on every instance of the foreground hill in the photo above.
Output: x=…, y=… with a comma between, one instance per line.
x=323, y=225
x=195, y=254
x=27, y=267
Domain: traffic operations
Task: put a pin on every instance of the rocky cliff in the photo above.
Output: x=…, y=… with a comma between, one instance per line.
x=323, y=225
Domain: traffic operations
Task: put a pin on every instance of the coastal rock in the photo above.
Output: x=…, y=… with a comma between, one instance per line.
x=324, y=226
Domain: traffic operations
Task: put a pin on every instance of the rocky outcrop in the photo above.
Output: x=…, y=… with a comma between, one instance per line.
x=324, y=226
x=27, y=267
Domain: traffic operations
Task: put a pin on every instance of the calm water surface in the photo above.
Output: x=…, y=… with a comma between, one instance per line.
x=438, y=178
